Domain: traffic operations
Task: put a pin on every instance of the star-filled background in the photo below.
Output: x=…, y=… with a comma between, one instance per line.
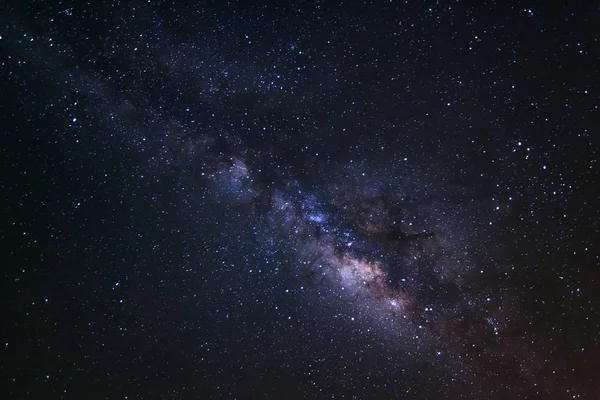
x=311, y=199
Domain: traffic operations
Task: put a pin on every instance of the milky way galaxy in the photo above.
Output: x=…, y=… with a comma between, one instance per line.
x=400, y=261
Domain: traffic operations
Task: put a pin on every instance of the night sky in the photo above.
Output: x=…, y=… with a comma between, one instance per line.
x=300, y=200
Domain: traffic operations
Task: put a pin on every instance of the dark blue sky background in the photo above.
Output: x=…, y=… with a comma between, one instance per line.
x=307, y=200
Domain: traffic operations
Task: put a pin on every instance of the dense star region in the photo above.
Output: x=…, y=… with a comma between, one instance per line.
x=388, y=200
